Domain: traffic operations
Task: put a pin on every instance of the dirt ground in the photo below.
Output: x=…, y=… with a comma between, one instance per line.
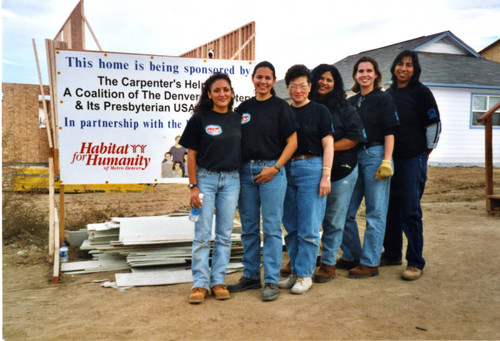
x=458, y=296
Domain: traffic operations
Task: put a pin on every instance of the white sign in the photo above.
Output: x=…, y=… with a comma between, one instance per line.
x=120, y=114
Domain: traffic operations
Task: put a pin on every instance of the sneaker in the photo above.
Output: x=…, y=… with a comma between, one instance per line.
x=412, y=273
x=198, y=295
x=363, y=271
x=302, y=285
x=220, y=292
x=286, y=270
x=270, y=292
x=244, y=284
x=384, y=261
x=324, y=274
x=347, y=265
x=287, y=283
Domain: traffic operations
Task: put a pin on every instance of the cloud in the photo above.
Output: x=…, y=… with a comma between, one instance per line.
x=10, y=62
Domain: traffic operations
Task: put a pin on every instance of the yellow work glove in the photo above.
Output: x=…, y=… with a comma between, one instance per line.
x=384, y=171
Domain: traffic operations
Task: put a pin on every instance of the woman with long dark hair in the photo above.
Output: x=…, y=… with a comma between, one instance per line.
x=328, y=89
x=268, y=141
x=213, y=139
x=416, y=138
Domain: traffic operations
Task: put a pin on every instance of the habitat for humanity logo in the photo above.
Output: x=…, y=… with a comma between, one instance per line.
x=112, y=156
x=213, y=130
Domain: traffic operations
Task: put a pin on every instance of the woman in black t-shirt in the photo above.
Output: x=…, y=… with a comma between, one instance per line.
x=378, y=114
x=328, y=89
x=416, y=138
x=268, y=141
x=308, y=176
x=213, y=139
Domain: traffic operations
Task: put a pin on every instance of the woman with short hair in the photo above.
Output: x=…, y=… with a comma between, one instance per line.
x=308, y=175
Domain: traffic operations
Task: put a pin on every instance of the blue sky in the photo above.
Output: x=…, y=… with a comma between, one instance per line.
x=307, y=32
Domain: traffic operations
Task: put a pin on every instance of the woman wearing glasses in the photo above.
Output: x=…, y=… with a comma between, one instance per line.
x=378, y=114
x=328, y=89
x=213, y=139
x=268, y=140
x=308, y=176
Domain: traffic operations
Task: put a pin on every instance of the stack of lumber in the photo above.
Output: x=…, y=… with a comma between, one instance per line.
x=144, y=242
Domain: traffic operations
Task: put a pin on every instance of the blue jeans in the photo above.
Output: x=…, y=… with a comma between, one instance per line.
x=303, y=214
x=220, y=190
x=405, y=213
x=266, y=198
x=337, y=204
x=376, y=194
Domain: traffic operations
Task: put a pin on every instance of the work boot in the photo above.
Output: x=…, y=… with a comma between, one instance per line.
x=220, y=292
x=363, y=271
x=412, y=273
x=302, y=285
x=385, y=261
x=347, y=265
x=324, y=274
x=198, y=295
x=244, y=284
x=286, y=270
x=270, y=292
x=288, y=283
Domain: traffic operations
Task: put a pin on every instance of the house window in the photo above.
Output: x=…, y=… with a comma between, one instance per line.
x=480, y=105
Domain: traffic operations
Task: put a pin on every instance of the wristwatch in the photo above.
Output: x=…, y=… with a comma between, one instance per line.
x=278, y=167
x=192, y=185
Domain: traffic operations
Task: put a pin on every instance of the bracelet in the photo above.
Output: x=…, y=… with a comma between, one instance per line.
x=327, y=168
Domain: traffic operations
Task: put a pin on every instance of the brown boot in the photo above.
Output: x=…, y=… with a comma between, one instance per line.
x=324, y=274
x=363, y=271
x=220, y=292
x=198, y=295
x=347, y=265
x=286, y=270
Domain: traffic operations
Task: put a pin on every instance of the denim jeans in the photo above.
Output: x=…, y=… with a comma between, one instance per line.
x=220, y=190
x=303, y=214
x=337, y=204
x=266, y=198
x=376, y=194
x=405, y=213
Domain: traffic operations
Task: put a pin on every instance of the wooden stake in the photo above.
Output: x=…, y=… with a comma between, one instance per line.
x=52, y=208
x=61, y=206
x=55, y=274
x=51, y=160
x=44, y=102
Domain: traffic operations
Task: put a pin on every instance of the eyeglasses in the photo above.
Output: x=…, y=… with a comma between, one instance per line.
x=302, y=87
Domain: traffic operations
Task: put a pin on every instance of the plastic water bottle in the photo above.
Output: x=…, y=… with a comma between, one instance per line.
x=195, y=213
x=63, y=253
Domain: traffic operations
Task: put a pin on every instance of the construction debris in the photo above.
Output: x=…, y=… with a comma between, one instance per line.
x=156, y=249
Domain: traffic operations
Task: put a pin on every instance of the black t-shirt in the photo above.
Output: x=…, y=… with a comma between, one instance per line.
x=265, y=126
x=378, y=113
x=314, y=123
x=347, y=124
x=217, y=139
x=417, y=109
